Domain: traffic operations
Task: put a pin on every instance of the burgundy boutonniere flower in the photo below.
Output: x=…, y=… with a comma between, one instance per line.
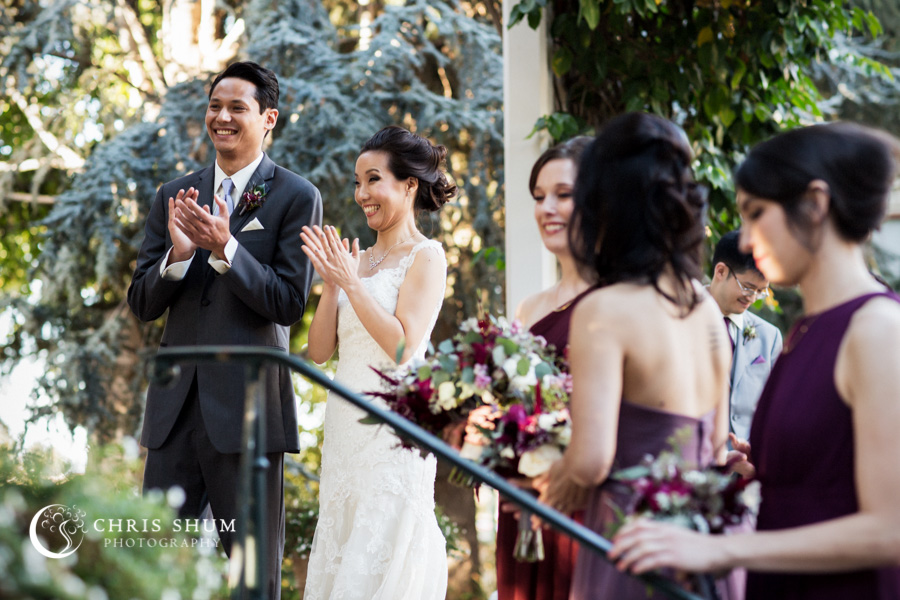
x=254, y=198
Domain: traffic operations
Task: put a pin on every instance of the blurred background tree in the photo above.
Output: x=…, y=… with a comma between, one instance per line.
x=730, y=72
x=104, y=100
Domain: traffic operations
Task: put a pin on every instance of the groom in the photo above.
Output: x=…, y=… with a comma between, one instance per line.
x=222, y=255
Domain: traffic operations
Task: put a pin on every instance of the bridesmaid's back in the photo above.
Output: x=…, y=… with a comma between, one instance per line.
x=674, y=362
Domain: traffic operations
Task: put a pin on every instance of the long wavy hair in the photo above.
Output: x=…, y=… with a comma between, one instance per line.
x=638, y=211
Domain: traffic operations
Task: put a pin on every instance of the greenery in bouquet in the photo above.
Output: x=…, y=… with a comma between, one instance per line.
x=669, y=488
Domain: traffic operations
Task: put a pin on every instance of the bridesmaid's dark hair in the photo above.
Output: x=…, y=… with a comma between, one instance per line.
x=410, y=155
x=857, y=163
x=570, y=149
x=638, y=211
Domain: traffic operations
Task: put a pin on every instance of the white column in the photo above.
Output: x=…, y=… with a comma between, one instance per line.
x=527, y=95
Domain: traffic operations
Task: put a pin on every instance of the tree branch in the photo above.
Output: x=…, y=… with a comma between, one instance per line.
x=151, y=67
x=20, y=197
x=71, y=159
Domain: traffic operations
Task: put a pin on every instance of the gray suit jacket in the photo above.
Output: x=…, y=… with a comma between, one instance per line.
x=254, y=303
x=750, y=367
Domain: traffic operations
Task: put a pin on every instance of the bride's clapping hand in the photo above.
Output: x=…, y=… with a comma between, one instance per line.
x=335, y=260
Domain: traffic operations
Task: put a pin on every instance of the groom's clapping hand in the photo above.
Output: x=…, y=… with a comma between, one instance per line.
x=200, y=226
x=182, y=245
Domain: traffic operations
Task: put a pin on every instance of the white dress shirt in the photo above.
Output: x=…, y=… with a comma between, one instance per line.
x=736, y=327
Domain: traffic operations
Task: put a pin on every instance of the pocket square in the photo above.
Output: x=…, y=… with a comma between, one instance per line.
x=759, y=360
x=253, y=225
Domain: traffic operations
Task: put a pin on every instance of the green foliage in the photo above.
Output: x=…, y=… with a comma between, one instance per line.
x=851, y=93
x=98, y=569
x=731, y=72
x=434, y=67
x=20, y=233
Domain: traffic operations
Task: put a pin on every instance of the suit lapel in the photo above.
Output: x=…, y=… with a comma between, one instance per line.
x=745, y=351
x=262, y=175
x=207, y=178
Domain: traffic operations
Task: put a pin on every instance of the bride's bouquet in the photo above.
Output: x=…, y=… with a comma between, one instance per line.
x=497, y=392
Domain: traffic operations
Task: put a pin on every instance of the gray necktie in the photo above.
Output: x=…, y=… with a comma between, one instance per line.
x=227, y=187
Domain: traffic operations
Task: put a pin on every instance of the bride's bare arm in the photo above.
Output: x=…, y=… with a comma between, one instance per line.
x=420, y=293
x=323, y=329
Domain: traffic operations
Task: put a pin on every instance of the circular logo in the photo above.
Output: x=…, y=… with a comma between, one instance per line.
x=57, y=531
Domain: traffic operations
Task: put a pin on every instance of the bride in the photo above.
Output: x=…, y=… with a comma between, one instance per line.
x=377, y=536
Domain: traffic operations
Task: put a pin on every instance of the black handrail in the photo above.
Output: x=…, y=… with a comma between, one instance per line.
x=255, y=357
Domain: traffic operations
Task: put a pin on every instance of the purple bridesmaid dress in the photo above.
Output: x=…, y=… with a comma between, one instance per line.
x=803, y=450
x=549, y=579
x=642, y=430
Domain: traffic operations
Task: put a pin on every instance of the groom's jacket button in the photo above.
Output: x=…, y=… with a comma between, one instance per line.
x=204, y=302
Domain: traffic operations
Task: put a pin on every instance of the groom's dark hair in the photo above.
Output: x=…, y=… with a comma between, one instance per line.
x=263, y=79
x=728, y=252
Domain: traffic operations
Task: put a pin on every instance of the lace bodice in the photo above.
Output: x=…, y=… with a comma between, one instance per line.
x=377, y=537
x=357, y=350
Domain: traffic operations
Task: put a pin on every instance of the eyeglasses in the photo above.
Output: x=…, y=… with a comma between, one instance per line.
x=748, y=291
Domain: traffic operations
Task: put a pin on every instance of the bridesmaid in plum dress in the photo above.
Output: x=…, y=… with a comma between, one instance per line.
x=546, y=314
x=647, y=351
x=824, y=441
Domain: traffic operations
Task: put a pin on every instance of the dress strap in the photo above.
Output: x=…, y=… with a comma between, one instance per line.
x=407, y=261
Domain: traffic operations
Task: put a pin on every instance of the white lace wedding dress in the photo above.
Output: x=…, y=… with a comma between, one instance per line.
x=377, y=536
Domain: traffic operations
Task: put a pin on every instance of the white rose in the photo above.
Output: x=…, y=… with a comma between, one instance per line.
x=447, y=395
x=470, y=451
x=511, y=367
x=508, y=453
x=564, y=435
x=546, y=421
x=536, y=462
x=519, y=383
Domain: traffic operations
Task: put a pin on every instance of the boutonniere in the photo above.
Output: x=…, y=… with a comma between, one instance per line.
x=254, y=198
x=749, y=332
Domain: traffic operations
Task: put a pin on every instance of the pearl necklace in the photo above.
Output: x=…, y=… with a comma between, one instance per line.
x=374, y=263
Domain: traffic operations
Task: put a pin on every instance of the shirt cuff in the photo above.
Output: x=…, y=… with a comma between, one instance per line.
x=221, y=266
x=175, y=271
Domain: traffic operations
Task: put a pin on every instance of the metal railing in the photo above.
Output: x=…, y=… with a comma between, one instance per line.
x=250, y=547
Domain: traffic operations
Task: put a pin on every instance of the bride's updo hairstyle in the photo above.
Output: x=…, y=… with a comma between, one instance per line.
x=411, y=155
x=857, y=163
x=638, y=211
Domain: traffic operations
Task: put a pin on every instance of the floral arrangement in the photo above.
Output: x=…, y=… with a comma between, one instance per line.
x=519, y=442
x=667, y=488
x=506, y=383
x=254, y=198
x=497, y=392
